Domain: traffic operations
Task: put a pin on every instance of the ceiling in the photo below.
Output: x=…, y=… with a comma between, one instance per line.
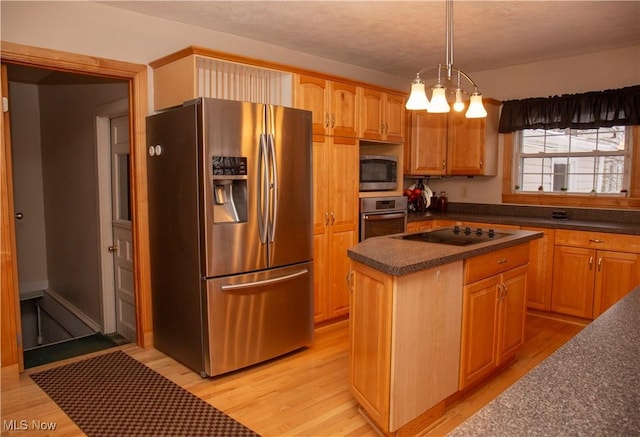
x=401, y=37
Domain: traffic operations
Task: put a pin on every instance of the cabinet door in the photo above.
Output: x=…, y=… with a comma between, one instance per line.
x=617, y=274
x=344, y=110
x=343, y=219
x=370, y=342
x=428, y=143
x=573, y=281
x=541, y=270
x=371, y=114
x=419, y=226
x=479, y=328
x=311, y=94
x=512, y=297
x=394, y=115
x=320, y=229
x=466, y=151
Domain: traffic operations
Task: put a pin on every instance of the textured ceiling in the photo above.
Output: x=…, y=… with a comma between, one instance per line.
x=401, y=37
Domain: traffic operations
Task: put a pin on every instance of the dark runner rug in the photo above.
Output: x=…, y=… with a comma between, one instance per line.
x=115, y=395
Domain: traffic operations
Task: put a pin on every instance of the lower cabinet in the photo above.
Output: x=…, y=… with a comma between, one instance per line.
x=404, y=342
x=592, y=271
x=424, y=225
x=540, y=270
x=493, y=312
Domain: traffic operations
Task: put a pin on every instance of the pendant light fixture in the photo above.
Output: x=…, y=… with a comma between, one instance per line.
x=418, y=98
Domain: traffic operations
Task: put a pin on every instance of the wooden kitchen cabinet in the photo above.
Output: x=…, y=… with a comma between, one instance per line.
x=424, y=225
x=334, y=105
x=451, y=144
x=592, y=271
x=493, y=311
x=540, y=269
x=428, y=143
x=335, y=222
x=382, y=115
x=405, y=342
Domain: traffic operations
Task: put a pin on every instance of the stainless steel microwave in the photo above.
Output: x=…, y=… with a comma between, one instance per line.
x=378, y=172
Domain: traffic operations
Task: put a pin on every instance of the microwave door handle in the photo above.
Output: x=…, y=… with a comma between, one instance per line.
x=393, y=215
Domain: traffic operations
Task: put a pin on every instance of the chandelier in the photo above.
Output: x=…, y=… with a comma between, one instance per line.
x=418, y=98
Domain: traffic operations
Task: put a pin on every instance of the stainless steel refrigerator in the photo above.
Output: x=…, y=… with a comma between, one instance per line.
x=230, y=232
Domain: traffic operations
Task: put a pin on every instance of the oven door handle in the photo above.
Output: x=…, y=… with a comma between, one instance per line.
x=386, y=216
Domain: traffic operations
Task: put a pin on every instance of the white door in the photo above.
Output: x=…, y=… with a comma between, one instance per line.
x=122, y=247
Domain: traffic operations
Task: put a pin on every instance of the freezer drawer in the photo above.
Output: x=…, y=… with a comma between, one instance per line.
x=258, y=316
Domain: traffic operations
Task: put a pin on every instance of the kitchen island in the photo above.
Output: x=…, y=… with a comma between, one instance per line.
x=588, y=387
x=430, y=321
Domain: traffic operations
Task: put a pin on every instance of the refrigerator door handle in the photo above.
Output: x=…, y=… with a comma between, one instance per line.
x=273, y=185
x=234, y=287
x=263, y=189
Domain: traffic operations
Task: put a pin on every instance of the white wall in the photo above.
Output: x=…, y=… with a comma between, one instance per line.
x=27, y=187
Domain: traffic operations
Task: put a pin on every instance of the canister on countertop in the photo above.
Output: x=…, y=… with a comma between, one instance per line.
x=442, y=202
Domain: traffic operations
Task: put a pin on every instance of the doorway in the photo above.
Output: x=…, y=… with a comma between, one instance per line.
x=58, y=211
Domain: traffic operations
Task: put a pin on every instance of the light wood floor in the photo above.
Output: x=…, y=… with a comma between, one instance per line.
x=302, y=394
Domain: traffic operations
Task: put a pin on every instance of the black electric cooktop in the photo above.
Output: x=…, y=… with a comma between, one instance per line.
x=455, y=236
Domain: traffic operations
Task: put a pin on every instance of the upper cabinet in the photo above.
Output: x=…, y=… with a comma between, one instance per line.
x=382, y=115
x=451, y=144
x=334, y=105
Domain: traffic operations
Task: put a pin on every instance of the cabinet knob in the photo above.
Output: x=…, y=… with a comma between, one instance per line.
x=590, y=263
x=502, y=260
x=596, y=241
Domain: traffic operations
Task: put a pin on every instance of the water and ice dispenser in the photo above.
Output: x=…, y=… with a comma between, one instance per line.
x=229, y=189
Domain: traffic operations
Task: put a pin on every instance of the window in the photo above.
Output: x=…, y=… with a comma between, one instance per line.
x=573, y=160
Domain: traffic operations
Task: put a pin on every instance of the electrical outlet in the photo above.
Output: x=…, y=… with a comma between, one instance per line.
x=464, y=192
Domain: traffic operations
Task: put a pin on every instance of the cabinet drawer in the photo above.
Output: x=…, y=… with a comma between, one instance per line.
x=598, y=240
x=494, y=263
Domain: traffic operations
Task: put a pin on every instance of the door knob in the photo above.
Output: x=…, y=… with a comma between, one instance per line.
x=18, y=215
x=113, y=248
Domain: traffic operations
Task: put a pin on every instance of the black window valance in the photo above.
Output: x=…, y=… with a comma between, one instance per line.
x=619, y=107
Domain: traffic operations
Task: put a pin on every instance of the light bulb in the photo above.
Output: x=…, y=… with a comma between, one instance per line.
x=459, y=104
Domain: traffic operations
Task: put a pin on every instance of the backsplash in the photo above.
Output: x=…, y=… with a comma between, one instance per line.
x=599, y=215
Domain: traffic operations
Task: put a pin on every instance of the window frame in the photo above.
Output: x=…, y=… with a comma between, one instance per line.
x=631, y=201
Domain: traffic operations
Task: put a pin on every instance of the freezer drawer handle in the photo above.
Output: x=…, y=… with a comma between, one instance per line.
x=231, y=287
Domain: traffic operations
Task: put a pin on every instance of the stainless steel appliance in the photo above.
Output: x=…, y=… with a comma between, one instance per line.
x=378, y=172
x=456, y=236
x=230, y=232
x=382, y=216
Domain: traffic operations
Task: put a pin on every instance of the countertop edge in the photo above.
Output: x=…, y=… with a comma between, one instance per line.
x=377, y=262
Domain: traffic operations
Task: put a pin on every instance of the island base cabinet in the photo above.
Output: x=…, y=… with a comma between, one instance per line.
x=405, y=341
x=493, y=314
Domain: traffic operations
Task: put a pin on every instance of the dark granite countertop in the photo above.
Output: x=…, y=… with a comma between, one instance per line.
x=398, y=257
x=617, y=222
x=588, y=387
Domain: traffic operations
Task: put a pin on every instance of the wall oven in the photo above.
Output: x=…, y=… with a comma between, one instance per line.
x=382, y=216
